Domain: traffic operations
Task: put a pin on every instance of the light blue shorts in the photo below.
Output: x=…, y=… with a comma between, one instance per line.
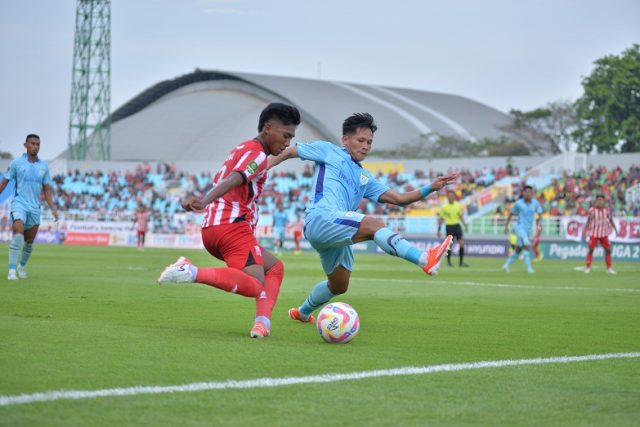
x=524, y=238
x=330, y=233
x=278, y=233
x=29, y=217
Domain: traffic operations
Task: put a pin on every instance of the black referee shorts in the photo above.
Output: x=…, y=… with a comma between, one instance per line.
x=454, y=230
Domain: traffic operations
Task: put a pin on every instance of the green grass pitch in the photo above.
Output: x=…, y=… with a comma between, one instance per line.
x=94, y=318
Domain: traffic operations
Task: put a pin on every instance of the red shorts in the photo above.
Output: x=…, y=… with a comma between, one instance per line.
x=235, y=244
x=297, y=235
x=141, y=233
x=604, y=241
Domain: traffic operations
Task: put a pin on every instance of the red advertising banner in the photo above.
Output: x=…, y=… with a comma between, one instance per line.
x=92, y=239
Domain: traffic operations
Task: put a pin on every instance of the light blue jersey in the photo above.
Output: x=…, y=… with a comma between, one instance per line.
x=526, y=213
x=29, y=179
x=280, y=219
x=340, y=183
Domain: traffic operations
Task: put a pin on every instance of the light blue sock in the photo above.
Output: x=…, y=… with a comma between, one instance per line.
x=263, y=319
x=512, y=258
x=396, y=245
x=319, y=295
x=26, y=253
x=14, y=250
x=527, y=259
x=194, y=272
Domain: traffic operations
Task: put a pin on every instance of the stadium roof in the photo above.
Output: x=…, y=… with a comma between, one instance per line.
x=204, y=114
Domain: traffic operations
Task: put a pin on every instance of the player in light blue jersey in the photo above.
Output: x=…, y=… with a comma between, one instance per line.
x=526, y=208
x=280, y=221
x=31, y=176
x=332, y=224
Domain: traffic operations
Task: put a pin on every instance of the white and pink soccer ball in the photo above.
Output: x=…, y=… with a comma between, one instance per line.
x=338, y=323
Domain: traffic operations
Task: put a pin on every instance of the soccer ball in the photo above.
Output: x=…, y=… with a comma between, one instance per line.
x=338, y=323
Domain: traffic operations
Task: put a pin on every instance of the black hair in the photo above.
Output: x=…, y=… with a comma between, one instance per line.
x=357, y=121
x=31, y=135
x=286, y=114
x=527, y=186
x=600, y=196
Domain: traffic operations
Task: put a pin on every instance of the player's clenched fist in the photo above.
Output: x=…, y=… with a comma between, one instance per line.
x=191, y=204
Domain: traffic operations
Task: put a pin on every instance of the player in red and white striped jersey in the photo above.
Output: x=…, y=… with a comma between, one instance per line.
x=141, y=219
x=599, y=225
x=250, y=160
x=231, y=214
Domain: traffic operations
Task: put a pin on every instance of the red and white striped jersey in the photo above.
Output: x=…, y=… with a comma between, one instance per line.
x=142, y=221
x=250, y=159
x=600, y=225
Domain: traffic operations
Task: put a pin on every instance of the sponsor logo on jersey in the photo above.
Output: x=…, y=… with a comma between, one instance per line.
x=252, y=167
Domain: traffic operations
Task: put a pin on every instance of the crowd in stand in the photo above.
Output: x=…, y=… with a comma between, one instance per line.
x=115, y=196
x=573, y=194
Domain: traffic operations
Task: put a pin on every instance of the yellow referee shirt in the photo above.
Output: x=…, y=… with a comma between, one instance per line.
x=451, y=212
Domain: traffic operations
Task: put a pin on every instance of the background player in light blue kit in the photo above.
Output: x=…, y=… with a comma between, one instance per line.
x=280, y=221
x=332, y=224
x=526, y=208
x=31, y=176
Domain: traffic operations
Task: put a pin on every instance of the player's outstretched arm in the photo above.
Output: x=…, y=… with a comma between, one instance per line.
x=288, y=153
x=402, y=199
x=223, y=187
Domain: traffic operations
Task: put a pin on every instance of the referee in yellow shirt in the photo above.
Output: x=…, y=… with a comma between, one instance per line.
x=452, y=214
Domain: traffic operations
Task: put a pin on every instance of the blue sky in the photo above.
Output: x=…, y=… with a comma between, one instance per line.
x=507, y=54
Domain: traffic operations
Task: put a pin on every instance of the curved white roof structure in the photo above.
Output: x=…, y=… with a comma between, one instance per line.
x=204, y=114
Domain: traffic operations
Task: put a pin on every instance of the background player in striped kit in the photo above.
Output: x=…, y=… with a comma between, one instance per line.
x=141, y=220
x=599, y=225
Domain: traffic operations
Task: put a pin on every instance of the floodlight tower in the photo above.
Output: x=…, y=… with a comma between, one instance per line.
x=91, y=82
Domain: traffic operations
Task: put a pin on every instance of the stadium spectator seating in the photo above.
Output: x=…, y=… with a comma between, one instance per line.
x=112, y=195
x=573, y=194
x=115, y=196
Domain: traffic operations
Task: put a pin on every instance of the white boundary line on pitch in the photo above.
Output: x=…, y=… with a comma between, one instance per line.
x=50, y=396
x=494, y=285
